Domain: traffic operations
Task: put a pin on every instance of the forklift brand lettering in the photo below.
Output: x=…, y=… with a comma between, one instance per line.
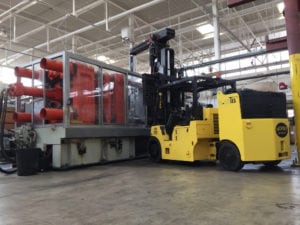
x=281, y=130
x=232, y=100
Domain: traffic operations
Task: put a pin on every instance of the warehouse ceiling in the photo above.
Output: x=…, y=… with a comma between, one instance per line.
x=32, y=29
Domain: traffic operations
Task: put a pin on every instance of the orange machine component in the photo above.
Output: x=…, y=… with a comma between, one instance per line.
x=20, y=117
x=51, y=114
x=27, y=73
x=107, y=92
x=18, y=89
x=118, y=101
x=54, y=74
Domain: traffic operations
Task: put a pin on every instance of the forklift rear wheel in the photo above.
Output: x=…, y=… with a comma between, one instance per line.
x=229, y=157
x=154, y=150
x=272, y=163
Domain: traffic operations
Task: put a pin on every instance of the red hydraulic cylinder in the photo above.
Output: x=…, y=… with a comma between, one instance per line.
x=27, y=73
x=51, y=65
x=20, y=117
x=54, y=65
x=18, y=89
x=51, y=114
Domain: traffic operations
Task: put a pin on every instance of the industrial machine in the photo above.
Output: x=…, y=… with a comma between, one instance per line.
x=247, y=126
x=78, y=111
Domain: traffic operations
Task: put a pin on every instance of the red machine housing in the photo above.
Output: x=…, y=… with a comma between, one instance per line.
x=83, y=83
x=82, y=86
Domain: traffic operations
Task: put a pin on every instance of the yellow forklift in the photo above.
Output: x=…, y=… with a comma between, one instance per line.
x=247, y=126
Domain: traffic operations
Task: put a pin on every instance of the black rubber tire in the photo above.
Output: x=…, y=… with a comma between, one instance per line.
x=229, y=157
x=154, y=150
x=272, y=163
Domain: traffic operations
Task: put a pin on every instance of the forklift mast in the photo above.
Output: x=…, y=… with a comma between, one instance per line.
x=165, y=89
x=161, y=57
x=161, y=62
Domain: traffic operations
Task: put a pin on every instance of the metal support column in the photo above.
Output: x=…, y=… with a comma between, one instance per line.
x=73, y=44
x=293, y=36
x=106, y=16
x=74, y=8
x=180, y=55
x=48, y=38
x=15, y=28
x=131, y=41
x=217, y=42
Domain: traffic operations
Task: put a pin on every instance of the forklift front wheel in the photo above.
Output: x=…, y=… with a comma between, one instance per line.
x=229, y=157
x=154, y=150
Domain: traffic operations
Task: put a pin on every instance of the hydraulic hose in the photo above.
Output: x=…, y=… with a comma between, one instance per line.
x=3, y=107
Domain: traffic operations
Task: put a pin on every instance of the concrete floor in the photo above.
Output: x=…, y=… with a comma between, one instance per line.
x=140, y=192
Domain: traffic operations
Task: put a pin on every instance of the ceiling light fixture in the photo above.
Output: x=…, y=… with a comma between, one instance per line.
x=102, y=58
x=105, y=59
x=210, y=35
x=280, y=7
x=205, y=28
